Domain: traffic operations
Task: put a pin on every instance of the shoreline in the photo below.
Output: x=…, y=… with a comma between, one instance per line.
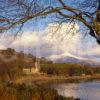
x=44, y=79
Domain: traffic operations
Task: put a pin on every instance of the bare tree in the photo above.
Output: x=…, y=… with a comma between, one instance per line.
x=14, y=13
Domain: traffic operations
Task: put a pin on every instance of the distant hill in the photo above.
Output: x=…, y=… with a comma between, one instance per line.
x=27, y=59
x=76, y=60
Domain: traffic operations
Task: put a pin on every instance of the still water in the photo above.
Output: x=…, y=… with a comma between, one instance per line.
x=84, y=91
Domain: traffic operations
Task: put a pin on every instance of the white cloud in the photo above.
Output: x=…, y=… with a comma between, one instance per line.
x=54, y=42
x=62, y=38
x=27, y=39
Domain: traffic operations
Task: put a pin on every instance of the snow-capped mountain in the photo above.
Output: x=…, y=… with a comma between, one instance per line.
x=68, y=57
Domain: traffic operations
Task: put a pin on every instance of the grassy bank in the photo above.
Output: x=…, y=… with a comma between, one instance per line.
x=48, y=79
x=11, y=91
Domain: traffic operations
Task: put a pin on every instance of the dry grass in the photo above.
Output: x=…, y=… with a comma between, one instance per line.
x=44, y=79
x=26, y=92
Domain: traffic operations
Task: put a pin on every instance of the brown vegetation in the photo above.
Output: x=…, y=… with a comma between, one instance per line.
x=24, y=92
x=12, y=63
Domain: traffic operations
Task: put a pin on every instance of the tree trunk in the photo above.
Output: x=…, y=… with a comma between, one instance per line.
x=97, y=22
x=98, y=11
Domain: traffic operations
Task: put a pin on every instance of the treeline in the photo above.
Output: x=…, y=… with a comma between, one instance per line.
x=68, y=69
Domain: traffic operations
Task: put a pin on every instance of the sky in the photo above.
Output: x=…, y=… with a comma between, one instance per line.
x=55, y=41
x=44, y=38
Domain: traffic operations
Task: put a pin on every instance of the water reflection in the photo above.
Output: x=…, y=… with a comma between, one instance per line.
x=84, y=91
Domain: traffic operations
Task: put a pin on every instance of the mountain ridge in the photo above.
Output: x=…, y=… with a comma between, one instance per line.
x=74, y=59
